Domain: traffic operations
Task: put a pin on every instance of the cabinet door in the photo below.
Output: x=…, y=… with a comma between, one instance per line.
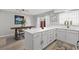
x=72, y=37
x=37, y=45
x=44, y=39
x=61, y=34
x=28, y=39
x=51, y=36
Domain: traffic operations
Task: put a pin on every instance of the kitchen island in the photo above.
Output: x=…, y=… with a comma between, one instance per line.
x=38, y=39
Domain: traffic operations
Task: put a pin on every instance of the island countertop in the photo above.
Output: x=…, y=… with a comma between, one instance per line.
x=35, y=30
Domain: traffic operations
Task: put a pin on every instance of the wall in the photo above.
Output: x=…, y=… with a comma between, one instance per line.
x=53, y=18
x=7, y=21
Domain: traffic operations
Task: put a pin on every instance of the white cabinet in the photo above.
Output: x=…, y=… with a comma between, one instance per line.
x=51, y=36
x=48, y=37
x=40, y=40
x=33, y=41
x=37, y=41
x=61, y=34
x=28, y=41
x=67, y=35
x=72, y=37
x=44, y=38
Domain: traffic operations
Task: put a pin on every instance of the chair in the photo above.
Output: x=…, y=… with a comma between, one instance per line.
x=20, y=33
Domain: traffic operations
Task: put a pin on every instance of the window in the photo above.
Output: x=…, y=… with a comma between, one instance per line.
x=38, y=22
x=47, y=19
x=69, y=16
x=28, y=21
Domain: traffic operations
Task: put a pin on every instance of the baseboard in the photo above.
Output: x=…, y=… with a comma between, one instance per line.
x=49, y=44
x=6, y=36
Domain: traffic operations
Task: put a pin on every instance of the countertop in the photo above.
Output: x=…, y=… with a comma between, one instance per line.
x=35, y=30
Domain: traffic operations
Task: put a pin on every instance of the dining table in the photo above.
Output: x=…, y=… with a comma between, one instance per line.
x=20, y=27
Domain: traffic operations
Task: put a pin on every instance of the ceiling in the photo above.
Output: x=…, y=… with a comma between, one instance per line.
x=38, y=11
x=27, y=11
x=35, y=11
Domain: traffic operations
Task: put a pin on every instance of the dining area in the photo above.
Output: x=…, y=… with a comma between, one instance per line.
x=19, y=31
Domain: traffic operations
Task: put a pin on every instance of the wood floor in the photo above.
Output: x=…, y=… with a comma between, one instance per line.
x=60, y=45
x=12, y=44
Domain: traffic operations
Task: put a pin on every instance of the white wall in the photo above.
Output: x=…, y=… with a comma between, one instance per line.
x=6, y=22
x=50, y=22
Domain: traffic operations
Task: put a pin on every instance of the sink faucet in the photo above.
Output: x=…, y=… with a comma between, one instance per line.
x=68, y=23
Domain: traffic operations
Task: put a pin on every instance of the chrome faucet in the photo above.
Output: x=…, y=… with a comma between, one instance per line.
x=68, y=23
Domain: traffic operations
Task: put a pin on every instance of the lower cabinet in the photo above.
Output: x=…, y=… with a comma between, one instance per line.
x=39, y=40
x=28, y=41
x=44, y=39
x=48, y=37
x=61, y=34
x=70, y=36
x=51, y=36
